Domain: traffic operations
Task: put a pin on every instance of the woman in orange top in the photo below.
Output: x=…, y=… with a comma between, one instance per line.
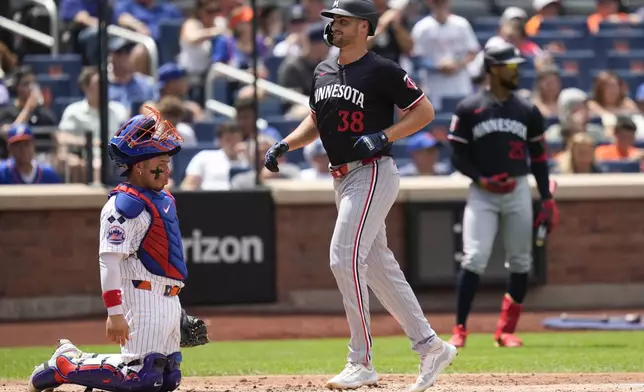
x=546, y=9
x=606, y=10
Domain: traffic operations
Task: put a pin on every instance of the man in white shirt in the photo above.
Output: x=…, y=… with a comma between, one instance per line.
x=444, y=44
x=210, y=169
x=83, y=116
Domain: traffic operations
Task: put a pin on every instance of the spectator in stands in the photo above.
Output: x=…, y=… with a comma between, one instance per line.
x=578, y=157
x=609, y=96
x=392, y=37
x=296, y=25
x=546, y=91
x=4, y=92
x=444, y=44
x=318, y=160
x=22, y=167
x=312, y=9
x=424, y=151
x=210, y=169
x=607, y=10
x=574, y=118
x=513, y=31
x=127, y=86
x=624, y=146
x=545, y=9
x=245, y=107
x=271, y=25
x=173, y=110
x=197, y=33
x=246, y=179
x=145, y=17
x=173, y=82
x=82, y=19
x=296, y=72
x=28, y=101
x=237, y=50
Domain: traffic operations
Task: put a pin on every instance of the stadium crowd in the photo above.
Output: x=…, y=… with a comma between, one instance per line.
x=585, y=73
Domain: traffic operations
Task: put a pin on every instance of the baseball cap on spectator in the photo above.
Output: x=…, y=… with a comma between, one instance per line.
x=421, y=141
x=513, y=13
x=18, y=133
x=314, y=149
x=240, y=15
x=169, y=72
x=118, y=44
x=538, y=5
x=296, y=14
x=315, y=32
x=625, y=123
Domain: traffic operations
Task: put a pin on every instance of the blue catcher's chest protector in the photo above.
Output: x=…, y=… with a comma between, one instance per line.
x=161, y=250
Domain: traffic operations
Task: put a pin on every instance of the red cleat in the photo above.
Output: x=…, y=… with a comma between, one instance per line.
x=507, y=325
x=459, y=335
x=509, y=340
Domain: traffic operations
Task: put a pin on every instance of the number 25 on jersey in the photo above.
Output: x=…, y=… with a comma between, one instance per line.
x=353, y=121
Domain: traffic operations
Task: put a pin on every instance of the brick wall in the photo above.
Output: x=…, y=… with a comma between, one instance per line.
x=54, y=253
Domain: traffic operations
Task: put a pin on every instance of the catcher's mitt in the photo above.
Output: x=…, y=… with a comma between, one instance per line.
x=193, y=331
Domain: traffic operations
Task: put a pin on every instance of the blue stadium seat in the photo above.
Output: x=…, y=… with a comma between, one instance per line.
x=205, y=131
x=528, y=79
x=623, y=41
x=550, y=121
x=70, y=64
x=272, y=64
x=135, y=107
x=60, y=103
x=56, y=86
x=565, y=25
x=632, y=60
x=484, y=36
x=180, y=161
x=575, y=61
x=169, y=31
x=220, y=90
x=620, y=166
x=270, y=106
x=566, y=42
x=554, y=148
x=609, y=26
x=450, y=103
x=283, y=125
x=485, y=24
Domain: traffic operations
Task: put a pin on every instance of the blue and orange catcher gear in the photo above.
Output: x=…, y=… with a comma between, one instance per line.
x=143, y=137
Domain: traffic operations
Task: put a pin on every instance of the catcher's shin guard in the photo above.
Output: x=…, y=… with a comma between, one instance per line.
x=44, y=378
x=172, y=373
x=108, y=375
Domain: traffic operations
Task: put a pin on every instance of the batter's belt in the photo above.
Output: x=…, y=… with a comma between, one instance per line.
x=167, y=290
x=342, y=170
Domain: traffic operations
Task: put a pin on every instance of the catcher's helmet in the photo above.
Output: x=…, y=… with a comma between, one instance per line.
x=362, y=9
x=501, y=53
x=143, y=137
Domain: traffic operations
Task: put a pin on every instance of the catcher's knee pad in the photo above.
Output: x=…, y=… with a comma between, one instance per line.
x=111, y=377
x=43, y=377
x=172, y=372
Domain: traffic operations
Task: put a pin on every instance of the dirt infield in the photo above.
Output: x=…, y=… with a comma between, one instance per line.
x=445, y=383
x=247, y=327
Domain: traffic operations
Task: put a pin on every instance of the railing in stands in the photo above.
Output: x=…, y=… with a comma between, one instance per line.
x=230, y=112
x=54, y=27
x=226, y=70
x=29, y=33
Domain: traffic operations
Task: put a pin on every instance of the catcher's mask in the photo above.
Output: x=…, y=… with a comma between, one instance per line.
x=143, y=137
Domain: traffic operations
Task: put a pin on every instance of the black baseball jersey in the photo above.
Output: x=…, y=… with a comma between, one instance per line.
x=498, y=135
x=358, y=99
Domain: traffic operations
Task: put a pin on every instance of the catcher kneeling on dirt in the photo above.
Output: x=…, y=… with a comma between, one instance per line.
x=142, y=271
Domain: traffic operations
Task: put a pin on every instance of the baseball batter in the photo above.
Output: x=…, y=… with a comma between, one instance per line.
x=142, y=271
x=490, y=133
x=352, y=111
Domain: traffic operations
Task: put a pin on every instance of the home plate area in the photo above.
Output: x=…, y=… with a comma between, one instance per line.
x=547, y=382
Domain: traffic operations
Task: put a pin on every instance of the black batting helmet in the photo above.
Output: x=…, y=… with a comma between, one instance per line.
x=362, y=9
x=501, y=53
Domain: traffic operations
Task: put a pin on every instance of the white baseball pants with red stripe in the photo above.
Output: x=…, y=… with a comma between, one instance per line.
x=360, y=258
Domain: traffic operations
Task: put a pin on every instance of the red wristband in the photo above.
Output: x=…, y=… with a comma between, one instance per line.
x=112, y=298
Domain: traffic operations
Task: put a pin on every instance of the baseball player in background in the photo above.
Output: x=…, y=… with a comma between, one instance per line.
x=142, y=271
x=352, y=111
x=490, y=133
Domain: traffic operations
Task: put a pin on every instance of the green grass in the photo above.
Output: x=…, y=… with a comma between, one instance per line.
x=544, y=352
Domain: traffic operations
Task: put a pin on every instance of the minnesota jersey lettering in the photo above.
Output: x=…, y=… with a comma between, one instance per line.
x=347, y=93
x=500, y=125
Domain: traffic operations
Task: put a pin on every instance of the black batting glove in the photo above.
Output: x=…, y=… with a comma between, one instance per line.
x=270, y=160
x=369, y=145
